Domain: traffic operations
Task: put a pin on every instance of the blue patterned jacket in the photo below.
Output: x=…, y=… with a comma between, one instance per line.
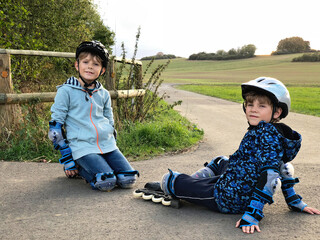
x=263, y=145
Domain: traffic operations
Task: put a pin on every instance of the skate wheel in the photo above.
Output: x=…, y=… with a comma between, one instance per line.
x=146, y=196
x=157, y=199
x=137, y=193
x=166, y=202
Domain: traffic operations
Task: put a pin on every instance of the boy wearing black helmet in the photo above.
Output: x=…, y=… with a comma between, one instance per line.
x=83, y=106
x=246, y=180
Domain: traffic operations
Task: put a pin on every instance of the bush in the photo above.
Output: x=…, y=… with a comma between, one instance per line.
x=308, y=57
x=29, y=139
x=137, y=109
x=166, y=132
x=159, y=56
x=247, y=51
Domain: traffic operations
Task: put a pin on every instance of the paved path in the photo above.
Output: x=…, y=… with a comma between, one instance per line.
x=38, y=202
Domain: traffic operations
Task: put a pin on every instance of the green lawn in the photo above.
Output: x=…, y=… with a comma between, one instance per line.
x=304, y=100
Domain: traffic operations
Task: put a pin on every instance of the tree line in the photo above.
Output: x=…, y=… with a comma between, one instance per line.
x=246, y=51
x=285, y=46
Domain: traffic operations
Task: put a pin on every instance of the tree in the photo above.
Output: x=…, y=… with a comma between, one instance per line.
x=53, y=25
x=248, y=51
x=49, y=25
x=292, y=45
x=232, y=52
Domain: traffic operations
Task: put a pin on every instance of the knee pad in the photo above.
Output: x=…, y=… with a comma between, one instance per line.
x=167, y=182
x=203, y=173
x=215, y=162
x=210, y=169
x=268, y=184
x=127, y=179
x=104, y=181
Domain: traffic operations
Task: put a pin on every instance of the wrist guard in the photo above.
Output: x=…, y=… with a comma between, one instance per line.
x=57, y=137
x=253, y=214
x=292, y=199
x=66, y=159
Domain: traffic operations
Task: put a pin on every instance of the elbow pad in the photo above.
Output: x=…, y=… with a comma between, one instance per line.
x=56, y=135
x=267, y=185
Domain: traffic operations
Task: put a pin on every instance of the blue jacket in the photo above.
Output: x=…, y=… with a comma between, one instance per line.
x=88, y=119
x=262, y=146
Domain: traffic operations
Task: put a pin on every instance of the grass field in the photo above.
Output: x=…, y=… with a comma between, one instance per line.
x=223, y=78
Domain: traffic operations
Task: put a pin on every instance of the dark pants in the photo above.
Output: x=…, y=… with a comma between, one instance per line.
x=199, y=191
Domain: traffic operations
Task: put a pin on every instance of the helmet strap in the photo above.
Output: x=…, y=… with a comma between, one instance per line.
x=274, y=109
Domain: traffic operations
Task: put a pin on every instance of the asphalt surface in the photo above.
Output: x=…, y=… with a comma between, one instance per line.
x=37, y=201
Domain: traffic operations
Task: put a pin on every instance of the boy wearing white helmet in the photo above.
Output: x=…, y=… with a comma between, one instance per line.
x=83, y=106
x=246, y=180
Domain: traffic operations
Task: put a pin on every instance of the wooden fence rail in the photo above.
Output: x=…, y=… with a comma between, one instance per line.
x=13, y=98
x=56, y=54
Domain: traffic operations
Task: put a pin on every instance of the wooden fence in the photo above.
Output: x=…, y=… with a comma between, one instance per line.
x=9, y=100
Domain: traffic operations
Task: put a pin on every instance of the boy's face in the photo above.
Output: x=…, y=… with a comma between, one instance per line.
x=260, y=111
x=89, y=68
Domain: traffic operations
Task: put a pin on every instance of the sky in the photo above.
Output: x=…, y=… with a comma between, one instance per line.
x=185, y=27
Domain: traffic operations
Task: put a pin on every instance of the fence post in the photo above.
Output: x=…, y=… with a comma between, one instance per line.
x=110, y=82
x=110, y=76
x=9, y=114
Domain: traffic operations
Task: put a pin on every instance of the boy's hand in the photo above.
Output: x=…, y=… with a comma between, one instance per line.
x=71, y=173
x=248, y=229
x=311, y=210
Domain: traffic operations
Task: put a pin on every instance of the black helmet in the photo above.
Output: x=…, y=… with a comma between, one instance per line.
x=96, y=48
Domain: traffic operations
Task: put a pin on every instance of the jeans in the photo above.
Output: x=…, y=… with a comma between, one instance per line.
x=91, y=164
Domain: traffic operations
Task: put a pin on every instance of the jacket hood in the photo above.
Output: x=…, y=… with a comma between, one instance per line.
x=291, y=140
x=73, y=82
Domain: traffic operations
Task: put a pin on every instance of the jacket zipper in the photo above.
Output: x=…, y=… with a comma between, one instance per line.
x=94, y=126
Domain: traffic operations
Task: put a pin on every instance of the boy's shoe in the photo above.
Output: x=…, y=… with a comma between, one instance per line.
x=167, y=182
x=156, y=186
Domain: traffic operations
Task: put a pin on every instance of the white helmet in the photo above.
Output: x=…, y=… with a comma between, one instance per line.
x=271, y=87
